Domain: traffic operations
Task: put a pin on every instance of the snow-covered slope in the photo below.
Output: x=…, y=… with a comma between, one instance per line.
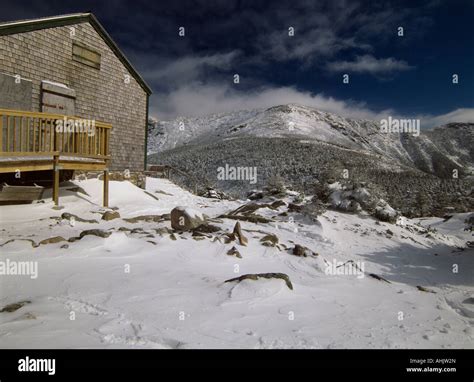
x=144, y=287
x=425, y=152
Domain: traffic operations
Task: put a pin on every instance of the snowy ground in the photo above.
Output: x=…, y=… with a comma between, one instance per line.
x=142, y=289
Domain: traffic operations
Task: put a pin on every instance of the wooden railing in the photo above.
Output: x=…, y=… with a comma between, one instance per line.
x=24, y=133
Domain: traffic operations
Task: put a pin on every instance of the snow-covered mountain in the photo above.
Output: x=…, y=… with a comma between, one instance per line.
x=434, y=150
x=303, y=146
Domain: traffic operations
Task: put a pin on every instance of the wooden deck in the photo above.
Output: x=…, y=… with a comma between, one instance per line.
x=32, y=141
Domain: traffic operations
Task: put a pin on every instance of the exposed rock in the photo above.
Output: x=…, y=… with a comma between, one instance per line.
x=212, y=193
x=423, y=289
x=278, y=203
x=252, y=218
x=163, y=231
x=248, y=208
x=173, y=236
x=200, y=235
x=228, y=238
x=110, y=215
x=52, y=240
x=269, y=240
x=146, y=218
x=14, y=307
x=206, y=228
x=150, y=194
x=68, y=216
x=239, y=235
x=33, y=244
x=256, y=276
x=94, y=232
x=470, y=220
x=234, y=252
x=302, y=251
x=292, y=207
x=350, y=206
x=64, y=246
x=385, y=213
x=377, y=277
x=185, y=219
x=254, y=195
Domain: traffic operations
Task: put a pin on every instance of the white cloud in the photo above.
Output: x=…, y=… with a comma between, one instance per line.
x=369, y=64
x=459, y=115
x=317, y=44
x=197, y=99
x=188, y=68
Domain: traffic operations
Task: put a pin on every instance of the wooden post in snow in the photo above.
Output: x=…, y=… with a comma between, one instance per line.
x=106, y=188
x=56, y=180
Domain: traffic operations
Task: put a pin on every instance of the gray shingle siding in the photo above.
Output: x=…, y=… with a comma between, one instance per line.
x=103, y=94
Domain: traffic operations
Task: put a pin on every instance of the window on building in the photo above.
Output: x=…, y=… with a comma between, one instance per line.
x=85, y=55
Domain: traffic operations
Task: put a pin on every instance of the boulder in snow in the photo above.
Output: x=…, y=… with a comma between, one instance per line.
x=234, y=252
x=110, y=215
x=239, y=235
x=384, y=212
x=186, y=219
x=302, y=251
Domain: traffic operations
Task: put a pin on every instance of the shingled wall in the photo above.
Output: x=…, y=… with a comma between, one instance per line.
x=109, y=94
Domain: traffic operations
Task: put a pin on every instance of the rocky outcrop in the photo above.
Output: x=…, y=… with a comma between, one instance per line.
x=212, y=193
x=252, y=218
x=239, y=235
x=269, y=240
x=110, y=215
x=94, y=232
x=256, y=276
x=14, y=307
x=302, y=251
x=72, y=217
x=147, y=218
x=52, y=240
x=234, y=252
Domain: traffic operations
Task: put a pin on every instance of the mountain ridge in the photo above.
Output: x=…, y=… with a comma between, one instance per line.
x=303, y=145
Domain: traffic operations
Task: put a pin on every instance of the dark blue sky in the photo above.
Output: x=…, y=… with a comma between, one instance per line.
x=193, y=75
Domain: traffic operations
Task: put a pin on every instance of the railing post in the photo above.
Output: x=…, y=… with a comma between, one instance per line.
x=56, y=180
x=106, y=187
x=1, y=132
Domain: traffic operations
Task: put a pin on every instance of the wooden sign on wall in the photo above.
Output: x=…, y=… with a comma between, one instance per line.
x=57, y=99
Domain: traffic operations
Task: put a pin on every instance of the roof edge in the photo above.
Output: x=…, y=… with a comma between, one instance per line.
x=23, y=26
